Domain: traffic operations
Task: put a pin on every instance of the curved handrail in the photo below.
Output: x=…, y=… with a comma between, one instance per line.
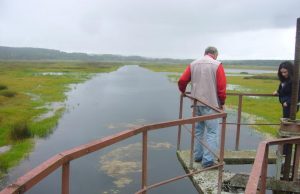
x=25, y=182
x=63, y=159
x=259, y=169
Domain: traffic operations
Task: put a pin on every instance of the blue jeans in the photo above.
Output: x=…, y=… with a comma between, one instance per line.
x=211, y=138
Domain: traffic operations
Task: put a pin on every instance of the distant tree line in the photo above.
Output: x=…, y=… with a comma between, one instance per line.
x=26, y=53
x=16, y=53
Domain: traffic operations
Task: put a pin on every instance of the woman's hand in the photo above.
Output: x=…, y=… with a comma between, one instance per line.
x=275, y=93
x=284, y=104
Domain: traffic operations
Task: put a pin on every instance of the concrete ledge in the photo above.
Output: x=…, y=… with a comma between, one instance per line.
x=205, y=182
x=237, y=157
x=245, y=157
x=240, y=181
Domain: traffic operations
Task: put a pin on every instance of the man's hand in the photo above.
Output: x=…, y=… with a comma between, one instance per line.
x=222, y=107
x=285, y=104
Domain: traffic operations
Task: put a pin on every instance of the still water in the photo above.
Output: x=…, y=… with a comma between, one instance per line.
x=109, y=103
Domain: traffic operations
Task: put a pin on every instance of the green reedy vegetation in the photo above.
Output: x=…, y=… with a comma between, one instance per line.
x=18, y=150
x=179, y=68
x=26, y=87
x=165, y=68
x=263, y=109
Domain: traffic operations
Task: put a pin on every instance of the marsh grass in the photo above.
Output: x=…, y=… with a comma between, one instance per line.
x=19, y=150
x=46, y=126
x=30, y=89
x=19, y=131
x=263, y=76
x=7, y=93
x=179, y=68
x=3, y=87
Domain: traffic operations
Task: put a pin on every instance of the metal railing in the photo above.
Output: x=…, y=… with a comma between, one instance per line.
x=260, y=166
x=239, y=115
x=220, y=156
x=63, y=159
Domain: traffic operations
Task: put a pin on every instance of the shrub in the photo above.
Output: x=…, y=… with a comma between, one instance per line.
x=244, y=72
x=3, y=167
x=20, y=131
x=3, y=87
x=8, y=93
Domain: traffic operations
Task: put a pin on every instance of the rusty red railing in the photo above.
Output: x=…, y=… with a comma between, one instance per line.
x=220, y=156
x=238, y=120
x=239, y=115
x=259, y=170
x=260, y=166
x=63, y=159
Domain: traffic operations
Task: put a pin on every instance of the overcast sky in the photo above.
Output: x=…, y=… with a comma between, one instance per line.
x=240, y=29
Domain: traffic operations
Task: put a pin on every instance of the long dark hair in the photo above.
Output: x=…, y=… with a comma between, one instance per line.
x=289, y=67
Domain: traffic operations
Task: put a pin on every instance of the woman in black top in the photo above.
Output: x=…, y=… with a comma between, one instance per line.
x=285, y=75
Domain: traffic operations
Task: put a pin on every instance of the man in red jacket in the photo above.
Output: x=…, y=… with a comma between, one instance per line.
x=208, y=83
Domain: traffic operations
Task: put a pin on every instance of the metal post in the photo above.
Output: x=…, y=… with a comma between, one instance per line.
x=221, y=157
x=296, y=162
x=264, y=172
x=287, y=162
x=193, y=136
x=295, y=85
x=65, y=178
x=144, y=161
x=279, y=160
x=238, y=127
x=179, y=126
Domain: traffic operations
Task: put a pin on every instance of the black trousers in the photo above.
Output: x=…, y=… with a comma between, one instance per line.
x=286, y=114
x=286, y=111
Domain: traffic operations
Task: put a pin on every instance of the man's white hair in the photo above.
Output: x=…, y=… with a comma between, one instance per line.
x=211, y=50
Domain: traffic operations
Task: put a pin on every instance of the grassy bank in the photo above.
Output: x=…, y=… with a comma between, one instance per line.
x=179, y=68
x=262, y=109
x=27, y=91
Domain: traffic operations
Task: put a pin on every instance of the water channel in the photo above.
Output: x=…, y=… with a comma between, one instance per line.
x=109, y=103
